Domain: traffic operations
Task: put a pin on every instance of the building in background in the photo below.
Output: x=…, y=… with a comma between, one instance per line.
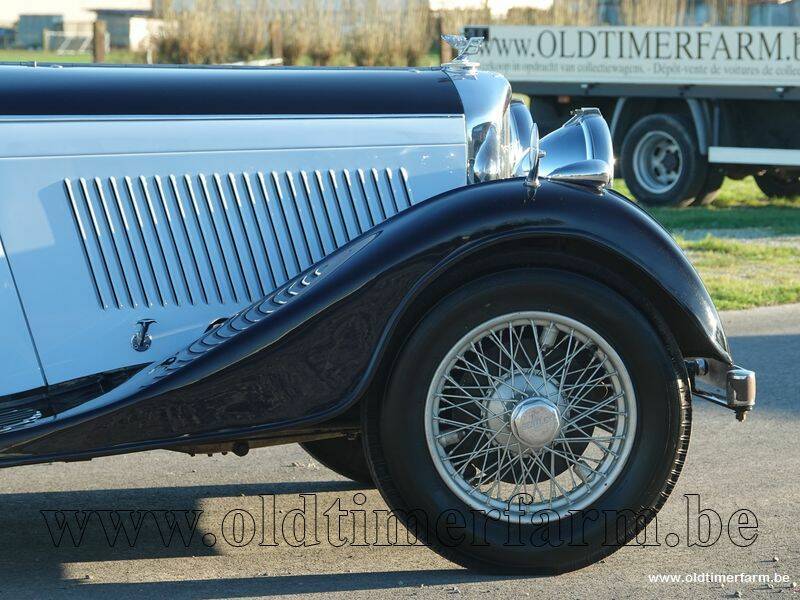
x=126, y=27
x=7, y=35
x=31, y=18
x=70, y=10
x=31, y=28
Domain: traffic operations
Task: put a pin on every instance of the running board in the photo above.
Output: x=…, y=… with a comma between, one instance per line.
x=14, y=418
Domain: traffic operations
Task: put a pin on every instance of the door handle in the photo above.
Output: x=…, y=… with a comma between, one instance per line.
x=142, y=340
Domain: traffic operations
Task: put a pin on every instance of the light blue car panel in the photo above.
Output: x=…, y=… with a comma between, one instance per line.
x=185, y=221
x=21, y=370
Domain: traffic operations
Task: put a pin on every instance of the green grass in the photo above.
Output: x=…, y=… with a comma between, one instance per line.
x=742, y=274
x=739, y=205
x=115, y=56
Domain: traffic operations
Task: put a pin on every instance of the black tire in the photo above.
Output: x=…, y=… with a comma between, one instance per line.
x=711, y=187
x=778, y=183
x=686, y=163
x=343, y=456
x=403, y=466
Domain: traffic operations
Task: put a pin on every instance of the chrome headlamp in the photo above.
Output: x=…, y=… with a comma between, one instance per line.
x=500, y=135
x=493, y=146
x=500, y=148
x=584, y=137
x=579, y=152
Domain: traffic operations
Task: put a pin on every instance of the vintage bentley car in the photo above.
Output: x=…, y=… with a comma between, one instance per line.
x=385, y=265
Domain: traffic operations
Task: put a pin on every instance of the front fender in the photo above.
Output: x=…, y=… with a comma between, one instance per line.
x=309, y=350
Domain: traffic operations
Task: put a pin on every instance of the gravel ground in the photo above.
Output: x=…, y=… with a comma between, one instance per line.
x=750, y=234
x=731, y=466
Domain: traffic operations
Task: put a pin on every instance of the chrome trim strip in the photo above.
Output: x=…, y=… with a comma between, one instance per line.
x=81, y=118
x=13, y=419
x=89, y=138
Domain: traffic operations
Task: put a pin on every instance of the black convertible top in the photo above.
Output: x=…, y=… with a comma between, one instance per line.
x=164, y=90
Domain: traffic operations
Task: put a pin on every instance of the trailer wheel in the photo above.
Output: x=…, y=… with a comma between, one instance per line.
x=342, y=456
x=711, y=187
x=661, y=163
x=778, y=183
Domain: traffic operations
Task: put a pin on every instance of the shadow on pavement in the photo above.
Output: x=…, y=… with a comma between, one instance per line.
x=28, y=544
x=248, y=587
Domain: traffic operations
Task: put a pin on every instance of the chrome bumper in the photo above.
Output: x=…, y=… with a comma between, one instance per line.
x=729, y=386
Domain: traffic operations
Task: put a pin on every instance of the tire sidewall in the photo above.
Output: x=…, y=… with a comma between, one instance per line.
x=407, y=473
x=774, y=186
x=710, y=188
x=342, y=456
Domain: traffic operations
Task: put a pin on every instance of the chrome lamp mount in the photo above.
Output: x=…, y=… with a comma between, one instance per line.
x=580, y=152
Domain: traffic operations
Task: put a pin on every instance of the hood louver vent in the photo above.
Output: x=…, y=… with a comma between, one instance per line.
x=220, y=239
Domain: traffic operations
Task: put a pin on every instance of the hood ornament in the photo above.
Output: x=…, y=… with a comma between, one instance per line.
x=465, y=48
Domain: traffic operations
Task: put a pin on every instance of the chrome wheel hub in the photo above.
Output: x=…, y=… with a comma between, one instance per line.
x=531, y=405
x=512, y=391
x=536, y=411
x=535, y=422
x=657, y=162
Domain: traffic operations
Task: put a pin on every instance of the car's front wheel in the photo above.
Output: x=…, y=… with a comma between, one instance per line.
x=526, y=407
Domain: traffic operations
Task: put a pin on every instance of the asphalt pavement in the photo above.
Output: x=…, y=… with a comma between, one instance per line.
x=236, y=552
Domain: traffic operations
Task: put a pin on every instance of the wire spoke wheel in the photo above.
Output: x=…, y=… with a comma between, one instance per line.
x=530, y=411
x=525, y=401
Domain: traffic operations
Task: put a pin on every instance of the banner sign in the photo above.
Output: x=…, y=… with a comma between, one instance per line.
x=767, y=56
